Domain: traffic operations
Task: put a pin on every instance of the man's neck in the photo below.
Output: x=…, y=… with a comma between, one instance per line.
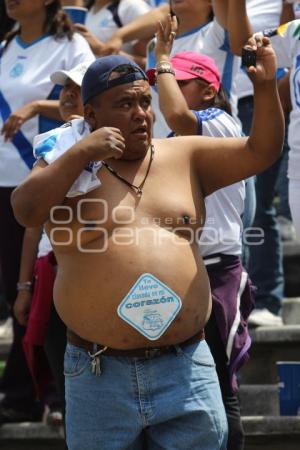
x=130, y=157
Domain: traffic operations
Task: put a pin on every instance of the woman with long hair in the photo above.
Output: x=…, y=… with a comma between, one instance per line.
x=42, y=42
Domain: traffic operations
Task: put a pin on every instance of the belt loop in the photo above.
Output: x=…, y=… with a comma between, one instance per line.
x=178, y=350
x=95, y=347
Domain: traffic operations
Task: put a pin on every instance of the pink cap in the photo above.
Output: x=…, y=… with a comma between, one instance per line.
x=189, y=65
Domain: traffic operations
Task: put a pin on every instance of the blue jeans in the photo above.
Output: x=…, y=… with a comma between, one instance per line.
x=248, y=215
x=266, y=260
x=175, y=398
x=245, y=108
x=282, y=185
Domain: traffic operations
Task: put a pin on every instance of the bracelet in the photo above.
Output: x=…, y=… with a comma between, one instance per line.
x=164, y=65
x=160, y=71
x=24, y=286
x=163, y=62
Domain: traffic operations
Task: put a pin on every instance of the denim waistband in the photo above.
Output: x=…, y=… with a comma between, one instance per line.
x=145, y=352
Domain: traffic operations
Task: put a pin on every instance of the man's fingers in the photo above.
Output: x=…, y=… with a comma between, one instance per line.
x=251, y=69
x=266, y=41
x=116, y=132
x=116, y=144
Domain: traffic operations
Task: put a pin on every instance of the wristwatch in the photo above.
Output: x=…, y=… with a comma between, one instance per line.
x=164, y=67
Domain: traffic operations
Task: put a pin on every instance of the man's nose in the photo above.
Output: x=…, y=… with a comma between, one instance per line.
x=139, y=111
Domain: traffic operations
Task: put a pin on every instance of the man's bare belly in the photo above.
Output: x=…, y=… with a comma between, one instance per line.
x=91, y=286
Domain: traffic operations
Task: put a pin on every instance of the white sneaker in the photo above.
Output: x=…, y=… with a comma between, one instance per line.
x=287, y=230
x=264, y=318
x=6, y=329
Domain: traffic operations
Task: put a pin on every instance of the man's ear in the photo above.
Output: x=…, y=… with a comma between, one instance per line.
x=89, y=116
x=209, y=93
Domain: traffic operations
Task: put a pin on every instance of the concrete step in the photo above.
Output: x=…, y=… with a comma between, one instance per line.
x=259, y=399
x=291, y=311
x=291, y=267
x=267, y=433
x=291, y=248
x=272, y=433
x=270, y=345
x=31, y=436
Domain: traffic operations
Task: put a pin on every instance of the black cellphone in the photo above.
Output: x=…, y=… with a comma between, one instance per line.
x=248, y=57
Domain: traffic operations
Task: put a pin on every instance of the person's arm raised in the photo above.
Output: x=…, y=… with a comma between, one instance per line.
x=287, y=13
x=238, y=25
x=47, y=185
x=171, y=100
x=220, y=9
x=224, y=161
x=143, y=27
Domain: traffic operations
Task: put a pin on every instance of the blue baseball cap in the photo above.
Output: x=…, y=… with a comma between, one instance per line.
x=97, y=77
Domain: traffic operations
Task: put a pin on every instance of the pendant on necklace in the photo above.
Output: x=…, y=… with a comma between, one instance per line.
x=139, y=192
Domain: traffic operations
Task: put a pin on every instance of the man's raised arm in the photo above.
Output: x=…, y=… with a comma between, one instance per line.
x=47, y=185
x=227, y=160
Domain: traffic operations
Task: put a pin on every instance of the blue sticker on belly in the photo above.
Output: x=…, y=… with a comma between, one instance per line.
x=150, y=306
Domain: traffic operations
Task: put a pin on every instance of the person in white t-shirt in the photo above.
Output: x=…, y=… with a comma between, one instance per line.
x=33, y=308
x=42, y=42
x=285, y=41
x=265, y=264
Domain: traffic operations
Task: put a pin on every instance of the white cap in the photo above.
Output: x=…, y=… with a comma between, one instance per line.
x=76, y=74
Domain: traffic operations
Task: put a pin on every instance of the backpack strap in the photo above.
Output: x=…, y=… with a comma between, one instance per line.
x=113, y=8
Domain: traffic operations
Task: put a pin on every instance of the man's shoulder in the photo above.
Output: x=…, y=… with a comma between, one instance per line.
x=175, y=146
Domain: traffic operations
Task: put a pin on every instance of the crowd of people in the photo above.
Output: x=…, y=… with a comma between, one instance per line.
x=146, y=186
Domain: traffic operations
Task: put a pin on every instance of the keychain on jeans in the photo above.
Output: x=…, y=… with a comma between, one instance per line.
x=95, y=360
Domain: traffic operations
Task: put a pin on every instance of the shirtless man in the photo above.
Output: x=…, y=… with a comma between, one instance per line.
x=131, y=285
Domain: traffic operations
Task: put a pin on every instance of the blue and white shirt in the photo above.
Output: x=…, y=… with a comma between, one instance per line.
x=53, y=144
x=222, y=231
x=211, y=40
x=223, y=225
x=156, y=3
x=109, y=18
x=286, y=43
x=25, y=71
